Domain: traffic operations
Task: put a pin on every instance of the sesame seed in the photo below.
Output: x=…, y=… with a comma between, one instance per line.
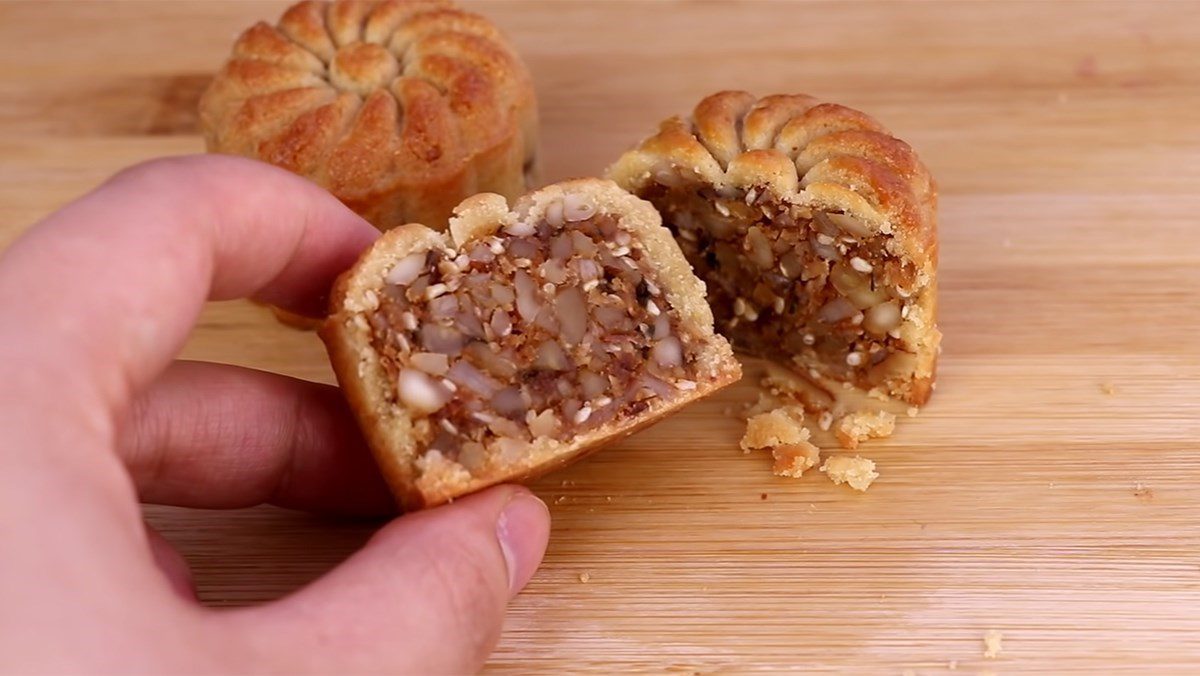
x=854, y=358
x=583, y=414
x=621, y=251
x=449, y=385
x=722, y=209
x=449, y=426
x=825, y=421
x=809, y=339
x=547, y=288
x=778, y=305
x=825, y=239
x=652, y=308
x=685, y=385
x=750, y=195
x=653, y=288
x=495, y=246
x=435, y=291
x=588, y=286
x=739, y=307
x=860, y=264
x=603, y=401
x=904, y=312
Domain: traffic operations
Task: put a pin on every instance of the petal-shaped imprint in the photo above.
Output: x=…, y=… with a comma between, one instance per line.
x=392, y=164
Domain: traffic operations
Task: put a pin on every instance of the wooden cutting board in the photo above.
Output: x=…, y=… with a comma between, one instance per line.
x=1048, y=493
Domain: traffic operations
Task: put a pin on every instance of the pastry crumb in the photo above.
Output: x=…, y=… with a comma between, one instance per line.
x=777, y=427
x=913, y=411
x=1108, y=388
x=991, y=644
x=879, y=394
x=763, y=496
x=952, y=665
x=792, y=460
x=782, y=431
x=856, y=427
x=1143, y=492
x=585, y=576
x=858, y=471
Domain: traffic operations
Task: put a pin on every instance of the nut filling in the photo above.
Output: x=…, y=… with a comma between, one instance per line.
x=535, y=331
x=788, y=282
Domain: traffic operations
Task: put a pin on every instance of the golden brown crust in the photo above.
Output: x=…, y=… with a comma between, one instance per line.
x=400, y=108
x=422, y=480
x=821, y=156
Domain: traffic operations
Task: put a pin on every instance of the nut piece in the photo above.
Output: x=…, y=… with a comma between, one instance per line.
x=419, y=392
x=856, y=427
x=859, y=472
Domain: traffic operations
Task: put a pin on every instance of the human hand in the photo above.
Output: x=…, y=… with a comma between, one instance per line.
x=95, y=415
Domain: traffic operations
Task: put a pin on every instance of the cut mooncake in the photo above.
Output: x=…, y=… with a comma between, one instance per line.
x=520, y=340
x=813, y=228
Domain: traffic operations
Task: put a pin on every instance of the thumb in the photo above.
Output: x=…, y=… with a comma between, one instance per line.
x=426, y=595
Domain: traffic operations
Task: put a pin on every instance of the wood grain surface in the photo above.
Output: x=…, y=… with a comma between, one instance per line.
x=1025, y=499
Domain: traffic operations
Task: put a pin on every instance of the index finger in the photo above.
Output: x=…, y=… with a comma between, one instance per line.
x=108, y=288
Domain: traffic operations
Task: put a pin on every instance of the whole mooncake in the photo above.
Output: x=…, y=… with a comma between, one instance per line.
x=400, y=108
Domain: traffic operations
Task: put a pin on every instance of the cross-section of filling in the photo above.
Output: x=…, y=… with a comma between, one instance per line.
x=787, y=281
x=542, y=329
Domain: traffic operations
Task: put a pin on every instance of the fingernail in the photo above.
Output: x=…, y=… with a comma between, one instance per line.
x=522, y=529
